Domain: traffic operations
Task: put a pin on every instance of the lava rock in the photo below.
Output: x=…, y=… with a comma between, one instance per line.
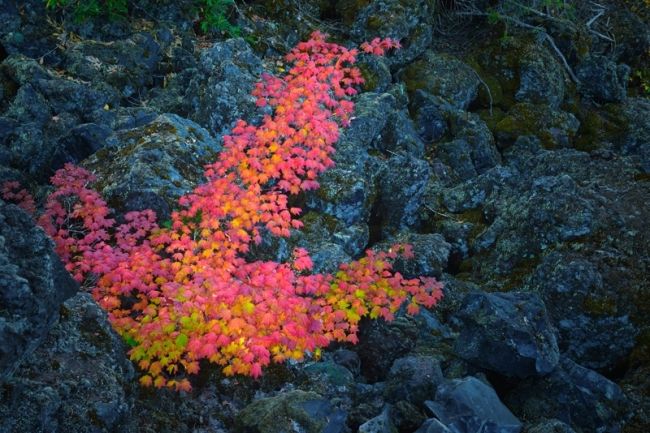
x=575, y=395
x=165, y=158
x=413, y=379
x=602, y=80
x=468, y=405
x=402, y=182
x=382, y=423
x=33, y=284
x=292, y=410
x=78, y=380
x=444, y=76
x=509, y=333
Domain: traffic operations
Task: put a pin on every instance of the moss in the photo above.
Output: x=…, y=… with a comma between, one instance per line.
x=598, y=126
x=596, y=306
x=370, y=79
x=348, y=10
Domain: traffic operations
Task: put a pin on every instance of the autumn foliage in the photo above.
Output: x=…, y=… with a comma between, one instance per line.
x=185, y=293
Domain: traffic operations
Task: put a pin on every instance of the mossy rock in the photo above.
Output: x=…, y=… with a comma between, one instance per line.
x=554, y=128
x=295, y=410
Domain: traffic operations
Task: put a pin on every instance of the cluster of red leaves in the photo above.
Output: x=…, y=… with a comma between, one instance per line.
x=183, y=294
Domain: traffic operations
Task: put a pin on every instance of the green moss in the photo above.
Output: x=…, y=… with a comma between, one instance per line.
x=600, y=306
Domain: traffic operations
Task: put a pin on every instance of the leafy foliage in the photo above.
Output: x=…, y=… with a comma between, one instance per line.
x=184, y=293
x=213, y=13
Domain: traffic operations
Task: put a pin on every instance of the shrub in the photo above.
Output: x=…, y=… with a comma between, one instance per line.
x=185, y=293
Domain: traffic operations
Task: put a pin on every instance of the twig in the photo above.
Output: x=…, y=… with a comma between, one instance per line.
x=486, y=88
x=442, y=214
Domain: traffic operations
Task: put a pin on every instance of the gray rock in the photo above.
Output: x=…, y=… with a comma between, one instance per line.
x=344, y=194
x=541, y=77
x=413, y=379
x=292, y=411
x=509, y=333
x=217, y=92
x=602, y=80
x=430, y=122
x=382, y=423
x=457, y=154
x=551, y=426
x=591, y=332
x=164, y=158
x=468, y=405
x=408, y=21
x=33, y=284
x=470, y=128
x=78, y=380
x=433, y=426
x=444, y=76
x=381, y=343
x=577, y=396
x=431, y=253
x=555, y=128
x=127, y=64
x=402, y=182
x=400, y=136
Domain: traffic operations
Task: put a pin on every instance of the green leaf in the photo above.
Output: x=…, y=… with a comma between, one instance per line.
x=181, y=340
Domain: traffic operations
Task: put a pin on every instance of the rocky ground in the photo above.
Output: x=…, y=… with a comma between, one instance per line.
x=516, y=164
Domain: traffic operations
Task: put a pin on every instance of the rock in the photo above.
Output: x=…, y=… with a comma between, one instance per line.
x=290, y=411
x=344, y=194
x=602, y=80
x=431, y=253
x=348, y=359
x=217, y=92
x=153, y=164
x=430, y=122
x=577, y=396
x=457, y=154
x=402, y=182
x=509, y=333
x=42, y=111
x=78, y=380
x=468, y=405
x=591, y=331
x=381, y=343
x=432, y=425
x=554, y=209
x=476, y=192
x=413, y=379
x=33, y=284
x=541, y=77
x=407, y=21
x=636, y=138
x=551, y=426
x=444, y=76
x=474, y=131
x=554, y=128
x=380, y=424
x=332, y=372
x=320, y=229
x=400, y=136
x=127, y=64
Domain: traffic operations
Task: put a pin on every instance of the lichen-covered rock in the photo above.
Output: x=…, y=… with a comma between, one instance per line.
x=555, y=128
x=602, y=80
x=541, y=77
x=430, y=122
x=468, y=405
x=291, y=411
x=577, y=396
x=344, y=194
x=509, y=333
x=402, y=181
x=43, y=114
x=413, y=379
x=444, y=76
x=78, y=380
x=408, y=21
x=381, y=343
x=382, y=423
x=474, y=131
x=551, y=426
x=431, y=253
x=151, y=166
x=33, y=284
x=217, y=92
x=127, y=64
x=591, y=330
x=319, y=228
